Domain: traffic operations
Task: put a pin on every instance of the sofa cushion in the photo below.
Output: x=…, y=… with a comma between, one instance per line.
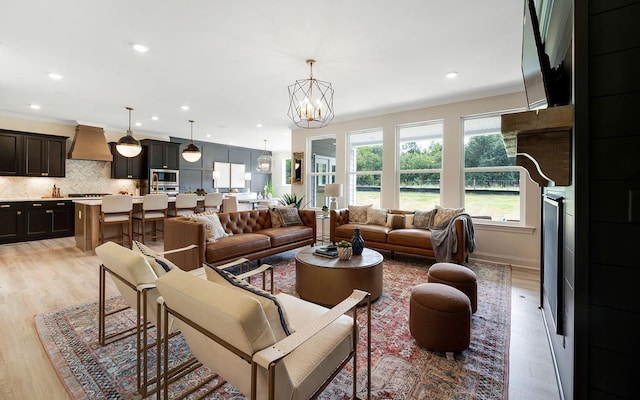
x=443, y=215
x=376, y=216
x=236, y=246
x=374, y=233
x=274, y=212
x=420, y=238
x=395, y=221
x=287, y=234
x=423, y=219
x=290, y=217
x=212, y=226
x=270, y=304
x=358, y=214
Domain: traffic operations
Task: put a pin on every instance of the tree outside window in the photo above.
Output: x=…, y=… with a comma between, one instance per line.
x=492, y=180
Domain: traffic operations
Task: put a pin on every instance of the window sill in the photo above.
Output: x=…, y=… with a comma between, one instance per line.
x=480, y=225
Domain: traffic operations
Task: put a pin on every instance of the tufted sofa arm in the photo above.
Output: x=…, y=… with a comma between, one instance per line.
x=338, y=217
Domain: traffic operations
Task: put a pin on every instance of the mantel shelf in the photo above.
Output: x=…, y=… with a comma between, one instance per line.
x=541, y=142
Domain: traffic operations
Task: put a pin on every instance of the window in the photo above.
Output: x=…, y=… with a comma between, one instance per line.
x=420, y=164
x=286, y=167
x=364, y=167
x=322, y=171
x=492, y=181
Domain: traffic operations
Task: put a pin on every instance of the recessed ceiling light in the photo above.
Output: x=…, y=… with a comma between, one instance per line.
x=208, y=135
x=154, y=117
x=185, y=108
x=451, y=74
x=55, y=76
x=140, y=48
x=35, y=106
x=259, y=126
x=138, y=123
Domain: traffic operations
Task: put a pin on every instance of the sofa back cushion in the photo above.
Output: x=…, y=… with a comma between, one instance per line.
x=245, y=221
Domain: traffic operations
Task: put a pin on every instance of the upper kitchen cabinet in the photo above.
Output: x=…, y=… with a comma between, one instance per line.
x=11, y=153
x=125, y=167
x=160, y=154
x=45, y=155
x=31, y=154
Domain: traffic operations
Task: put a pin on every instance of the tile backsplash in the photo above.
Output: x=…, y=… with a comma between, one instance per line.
x=82, y=176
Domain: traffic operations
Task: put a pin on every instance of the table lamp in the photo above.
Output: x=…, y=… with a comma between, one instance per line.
x=215, y=176
x=333, y=190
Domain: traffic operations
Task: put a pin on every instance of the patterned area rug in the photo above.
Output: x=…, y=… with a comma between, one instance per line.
x=401, y=368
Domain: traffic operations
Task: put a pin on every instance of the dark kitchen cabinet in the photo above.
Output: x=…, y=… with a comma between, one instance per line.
x=44, y=155
x=11, y=153
x=165, y=155
x=12, y=226
x=125, y=167
x=48, y=219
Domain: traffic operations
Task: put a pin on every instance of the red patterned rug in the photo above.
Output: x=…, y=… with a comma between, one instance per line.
x=401, y=368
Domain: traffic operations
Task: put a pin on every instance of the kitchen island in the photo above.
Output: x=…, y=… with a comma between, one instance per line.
x=87, y=220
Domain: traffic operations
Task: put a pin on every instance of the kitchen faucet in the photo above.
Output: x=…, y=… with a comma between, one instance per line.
x=155, y=178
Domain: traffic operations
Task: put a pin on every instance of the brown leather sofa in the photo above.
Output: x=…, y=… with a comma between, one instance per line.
x=253, y=237
x=412, y=241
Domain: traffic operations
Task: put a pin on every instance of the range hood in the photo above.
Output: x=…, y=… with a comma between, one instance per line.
x=89, y=143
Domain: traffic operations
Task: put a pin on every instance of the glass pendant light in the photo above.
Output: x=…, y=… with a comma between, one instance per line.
x=191, y=152
x=127, y=145
x=264, y=161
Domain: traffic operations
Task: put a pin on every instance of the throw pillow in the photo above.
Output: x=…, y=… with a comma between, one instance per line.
x=159, y=264
x=408, y=221
x=358, y=214
x=276, y=222
x=273, y=310
x=395, y=221
x=213, y=227
x=190, y=216
x=423, y=219
x=445, y=214
x=376, y=216
x=290, y=217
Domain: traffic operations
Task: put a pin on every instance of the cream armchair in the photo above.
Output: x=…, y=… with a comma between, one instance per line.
x=134, y=274
x=232, y=332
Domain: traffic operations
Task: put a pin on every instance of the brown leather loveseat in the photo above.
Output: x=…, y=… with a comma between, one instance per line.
x=252, y=237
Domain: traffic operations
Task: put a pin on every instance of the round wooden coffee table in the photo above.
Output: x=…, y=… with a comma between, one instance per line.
x=328, y=281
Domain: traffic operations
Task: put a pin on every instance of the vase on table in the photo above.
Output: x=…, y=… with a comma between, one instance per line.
x=344, y=253
x=357, y=242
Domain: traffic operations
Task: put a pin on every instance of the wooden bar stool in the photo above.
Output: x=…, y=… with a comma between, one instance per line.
x=213, y=201
x=117, y=210
x=185, y=204
x=154, y=208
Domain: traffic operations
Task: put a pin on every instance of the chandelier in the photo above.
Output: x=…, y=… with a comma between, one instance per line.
x=127, y=145
x=310, y=101
x=191, y=152
x=264, y=161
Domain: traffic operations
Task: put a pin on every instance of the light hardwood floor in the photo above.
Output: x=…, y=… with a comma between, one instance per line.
x=46, y=275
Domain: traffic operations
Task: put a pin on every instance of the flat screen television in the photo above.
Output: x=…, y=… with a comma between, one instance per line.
x=544, y=86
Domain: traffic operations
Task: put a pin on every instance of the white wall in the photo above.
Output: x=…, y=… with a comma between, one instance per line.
x=517, y=245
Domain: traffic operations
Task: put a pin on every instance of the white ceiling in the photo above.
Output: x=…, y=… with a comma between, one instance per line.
x=231, y=61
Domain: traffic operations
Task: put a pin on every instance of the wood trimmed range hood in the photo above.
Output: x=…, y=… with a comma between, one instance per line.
x=89, y=143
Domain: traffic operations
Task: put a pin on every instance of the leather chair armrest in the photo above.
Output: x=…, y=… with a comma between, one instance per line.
x=180, y=233
x=338, y=217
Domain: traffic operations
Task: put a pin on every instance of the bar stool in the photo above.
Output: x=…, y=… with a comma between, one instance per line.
x=116, y=210
x=186, y=204
x=230, y=204
x=213, y=201
x=154, y=208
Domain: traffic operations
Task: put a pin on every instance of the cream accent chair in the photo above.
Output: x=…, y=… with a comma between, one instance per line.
x=134, y=274
x=213, y=201
x=117, y=210
x=154, y=208
x=186, y=203
x=229, y=332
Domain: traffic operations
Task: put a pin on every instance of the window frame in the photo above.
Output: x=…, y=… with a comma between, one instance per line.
x=351, y=174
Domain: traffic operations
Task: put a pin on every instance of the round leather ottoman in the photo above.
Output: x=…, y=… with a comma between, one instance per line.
x=461, y=278
x=440, y=317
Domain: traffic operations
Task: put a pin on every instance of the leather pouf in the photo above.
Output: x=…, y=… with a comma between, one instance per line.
x=440, y=317
x=461, y=278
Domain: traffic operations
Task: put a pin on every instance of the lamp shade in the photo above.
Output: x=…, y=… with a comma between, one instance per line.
x=247, y=176
x=216, y=175
x=333, y=190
